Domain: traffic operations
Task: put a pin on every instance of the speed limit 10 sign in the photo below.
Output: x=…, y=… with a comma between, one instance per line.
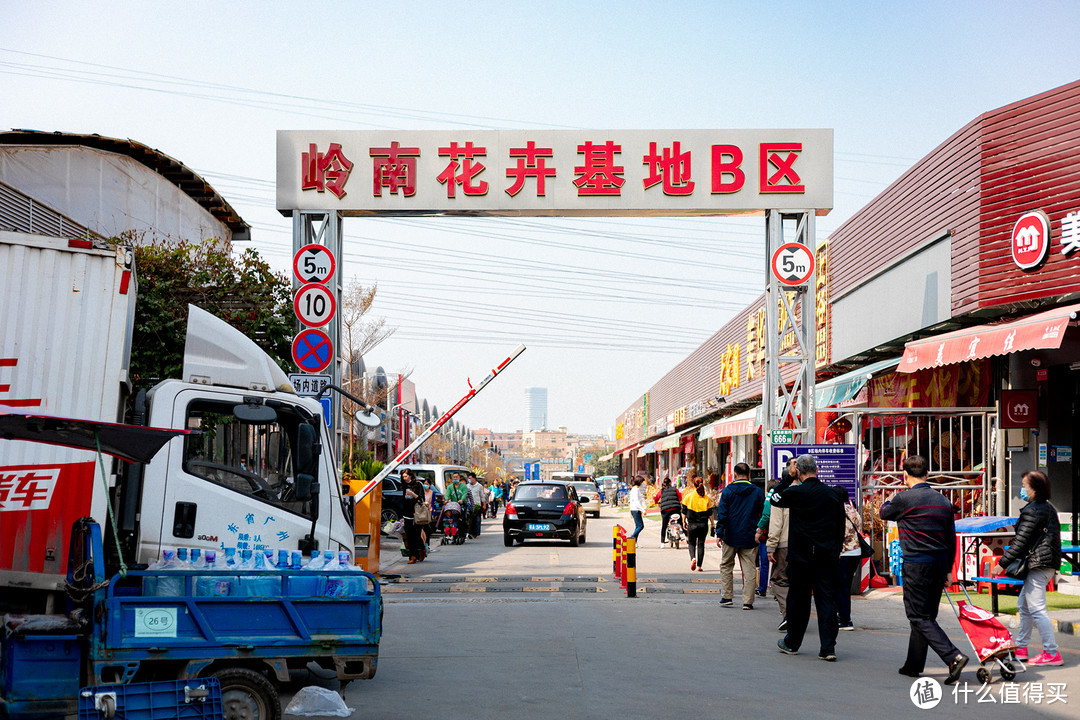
x=314, y=305
x=314, y=264
x=793, y=264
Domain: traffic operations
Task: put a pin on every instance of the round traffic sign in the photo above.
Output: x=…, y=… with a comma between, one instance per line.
x=792, y=264
x=312, y=350
x=314, y=264
x=314, y=305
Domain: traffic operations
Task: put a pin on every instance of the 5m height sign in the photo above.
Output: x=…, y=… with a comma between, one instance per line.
x=315, y=306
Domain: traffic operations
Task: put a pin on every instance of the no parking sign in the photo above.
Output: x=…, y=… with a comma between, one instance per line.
x=312, y=350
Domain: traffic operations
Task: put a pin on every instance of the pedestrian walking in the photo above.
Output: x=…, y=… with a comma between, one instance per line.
x=777, y=546
x=850, y=558
x=696, y=519
x=1038, y=539
x=737, y=516
x=479, y=504
x=815, y=534
x=670, y=500
x=637, y=507
x=928, y=540
x=413, y=493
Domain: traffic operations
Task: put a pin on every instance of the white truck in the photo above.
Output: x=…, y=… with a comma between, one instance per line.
x=260, y=471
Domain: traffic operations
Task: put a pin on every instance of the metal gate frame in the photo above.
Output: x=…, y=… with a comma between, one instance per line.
x=961, y=474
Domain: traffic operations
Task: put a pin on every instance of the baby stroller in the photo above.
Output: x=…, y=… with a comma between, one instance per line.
x=450, y=524
x=675, y=534
x=990, y=640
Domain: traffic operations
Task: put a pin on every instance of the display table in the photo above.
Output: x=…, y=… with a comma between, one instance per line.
x=977, y=538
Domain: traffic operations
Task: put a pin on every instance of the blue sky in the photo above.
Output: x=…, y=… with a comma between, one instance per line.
x=210, y=82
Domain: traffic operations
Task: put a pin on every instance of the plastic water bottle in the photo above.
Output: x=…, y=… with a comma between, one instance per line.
x=197, y=561
x=165, y=584
x=182, y=558
x=282, y=559
x=230, y=558
x=308, y=584
x=259, y=585
x=316, y=562
x=214, y=585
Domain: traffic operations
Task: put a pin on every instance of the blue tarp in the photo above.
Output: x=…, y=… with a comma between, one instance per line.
x=985, y=524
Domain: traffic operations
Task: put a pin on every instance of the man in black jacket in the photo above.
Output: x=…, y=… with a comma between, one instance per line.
x=815, y=537
x=928, y=539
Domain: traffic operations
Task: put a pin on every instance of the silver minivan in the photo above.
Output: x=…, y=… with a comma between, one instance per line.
x=438, y=474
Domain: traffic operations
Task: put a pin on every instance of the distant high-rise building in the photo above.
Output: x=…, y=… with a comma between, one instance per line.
x=535, y=409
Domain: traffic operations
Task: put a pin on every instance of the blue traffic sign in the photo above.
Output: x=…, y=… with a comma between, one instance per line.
x=327, y=411
x=312, y=350
x=837, y=464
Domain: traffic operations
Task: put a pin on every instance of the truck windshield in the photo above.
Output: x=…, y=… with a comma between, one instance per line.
x=254, y=460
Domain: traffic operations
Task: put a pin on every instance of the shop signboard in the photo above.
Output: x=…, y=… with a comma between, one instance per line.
x=837, y=464
x=555, y=172
x=1031, y=240
x=1019, y=408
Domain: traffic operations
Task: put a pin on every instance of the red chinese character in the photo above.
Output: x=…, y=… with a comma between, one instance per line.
x=469, y=170
x=395, y=169
x=784, y=179
x=599, y=175
x=327, y=171
x=530, y=164
x=673, y=167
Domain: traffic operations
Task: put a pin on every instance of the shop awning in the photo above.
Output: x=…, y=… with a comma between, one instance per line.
x=745, y=423
x=649, y=447
x=606, y=458
x=843, y=388
x=1043, y=331
x=628, y=448
x=671, y=441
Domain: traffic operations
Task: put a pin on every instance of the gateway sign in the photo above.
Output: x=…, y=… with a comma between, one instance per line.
x=555, y=172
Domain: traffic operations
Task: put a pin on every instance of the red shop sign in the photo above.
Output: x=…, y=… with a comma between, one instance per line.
x=1019, y=408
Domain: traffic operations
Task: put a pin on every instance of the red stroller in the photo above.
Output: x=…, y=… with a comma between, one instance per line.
x=991, y=641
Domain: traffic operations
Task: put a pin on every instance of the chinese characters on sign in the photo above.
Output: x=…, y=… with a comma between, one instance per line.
x=556, y=172
x=29, y=489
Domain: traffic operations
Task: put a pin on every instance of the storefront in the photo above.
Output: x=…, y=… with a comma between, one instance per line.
x=968, y=248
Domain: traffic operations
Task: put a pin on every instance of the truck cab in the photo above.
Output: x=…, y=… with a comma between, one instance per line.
x=258, y=470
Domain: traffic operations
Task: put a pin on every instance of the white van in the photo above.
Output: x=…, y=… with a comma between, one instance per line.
x=438, y=474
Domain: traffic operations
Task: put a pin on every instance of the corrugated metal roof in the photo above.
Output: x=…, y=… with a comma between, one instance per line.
x=180, y=175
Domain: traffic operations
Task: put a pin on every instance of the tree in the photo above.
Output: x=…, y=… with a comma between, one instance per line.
x=361, y=333
x=241, y=289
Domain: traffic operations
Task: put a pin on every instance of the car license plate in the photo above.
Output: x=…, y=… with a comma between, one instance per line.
x=537, y=527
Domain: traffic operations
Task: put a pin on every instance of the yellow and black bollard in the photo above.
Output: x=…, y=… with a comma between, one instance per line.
x=616, y=550
x=631, y=567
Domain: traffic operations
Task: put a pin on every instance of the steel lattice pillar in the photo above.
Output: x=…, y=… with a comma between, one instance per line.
x=788, y=393
x=320, y=227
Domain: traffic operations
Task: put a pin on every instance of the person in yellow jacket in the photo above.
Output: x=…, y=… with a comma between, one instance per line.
x=696, y=518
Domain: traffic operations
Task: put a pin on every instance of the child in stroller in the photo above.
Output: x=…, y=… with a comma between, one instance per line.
x=450, y=524
x=675, y=534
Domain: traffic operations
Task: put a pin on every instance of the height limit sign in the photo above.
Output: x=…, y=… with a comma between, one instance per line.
x=793, y=264
x=314, y=264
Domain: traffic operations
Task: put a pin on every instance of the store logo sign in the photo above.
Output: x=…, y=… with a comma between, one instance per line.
x=1031, y=240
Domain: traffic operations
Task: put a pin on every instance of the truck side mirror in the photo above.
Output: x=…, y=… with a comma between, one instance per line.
x=308, y=449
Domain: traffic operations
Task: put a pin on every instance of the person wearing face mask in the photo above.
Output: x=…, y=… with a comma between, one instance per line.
x=1038, y=538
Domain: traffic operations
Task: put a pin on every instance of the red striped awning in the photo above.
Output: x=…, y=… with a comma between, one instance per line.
x=1043, y=331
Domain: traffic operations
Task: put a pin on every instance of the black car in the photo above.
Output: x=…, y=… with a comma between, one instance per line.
x=544, y=510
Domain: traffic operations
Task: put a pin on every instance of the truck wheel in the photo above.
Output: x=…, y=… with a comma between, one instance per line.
x=390, y=516
x=247, y=695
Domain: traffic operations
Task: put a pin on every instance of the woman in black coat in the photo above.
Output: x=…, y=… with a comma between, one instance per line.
x=414, y=493
x=1038, y=538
